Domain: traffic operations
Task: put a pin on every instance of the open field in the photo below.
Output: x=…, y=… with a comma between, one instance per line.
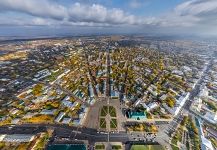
x=112, y=111
x=147, y=147
x=102, y=123
x=113, y=123
x=104, y=111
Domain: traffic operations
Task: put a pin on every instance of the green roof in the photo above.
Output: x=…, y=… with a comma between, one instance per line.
x=67, y=147
x=137, y=115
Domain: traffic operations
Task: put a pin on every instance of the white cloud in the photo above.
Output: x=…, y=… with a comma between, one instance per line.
x=190, y=14
x=40, y=22
x=77, y=12
x=196, y=7
x=196, y=12
x=40, y=8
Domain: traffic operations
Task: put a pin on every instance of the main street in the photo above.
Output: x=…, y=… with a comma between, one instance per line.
x=171, y=128
x=70, y=133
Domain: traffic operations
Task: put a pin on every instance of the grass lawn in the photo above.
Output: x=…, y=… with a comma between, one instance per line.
x=54, y=75
x=214, y=141
x=40, y=119
x=174, y=142
x=147, y=147
x=5, y=122
x=104, y=111
x=102, y=123
x=22, y=146
x=113, y=123
x=112, y=111
x=174, y=147
x=2, y=145
x=116, y=147
x=42, y=142
x=100, y=147
x=9, y=146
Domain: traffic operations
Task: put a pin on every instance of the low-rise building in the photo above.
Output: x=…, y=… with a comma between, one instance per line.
x=205, y=143
x=152, y=106
x=66, y=120
x=48, y=112
x=60, y=116
x=15, y=121
x=211, y=116
x=17, y=138
x=41, y=74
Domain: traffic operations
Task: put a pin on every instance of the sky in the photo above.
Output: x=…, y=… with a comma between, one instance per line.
x=74, y=17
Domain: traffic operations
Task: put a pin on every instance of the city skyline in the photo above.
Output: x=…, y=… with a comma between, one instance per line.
x=55, y=17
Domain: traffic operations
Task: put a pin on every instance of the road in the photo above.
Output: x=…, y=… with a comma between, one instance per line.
x=70, y=133
x=193, y=94
x=171, y=128
x=108, y=90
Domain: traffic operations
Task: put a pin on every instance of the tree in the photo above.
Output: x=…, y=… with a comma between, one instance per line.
x=170, y=102
x=184, y=121
x=37, y=89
